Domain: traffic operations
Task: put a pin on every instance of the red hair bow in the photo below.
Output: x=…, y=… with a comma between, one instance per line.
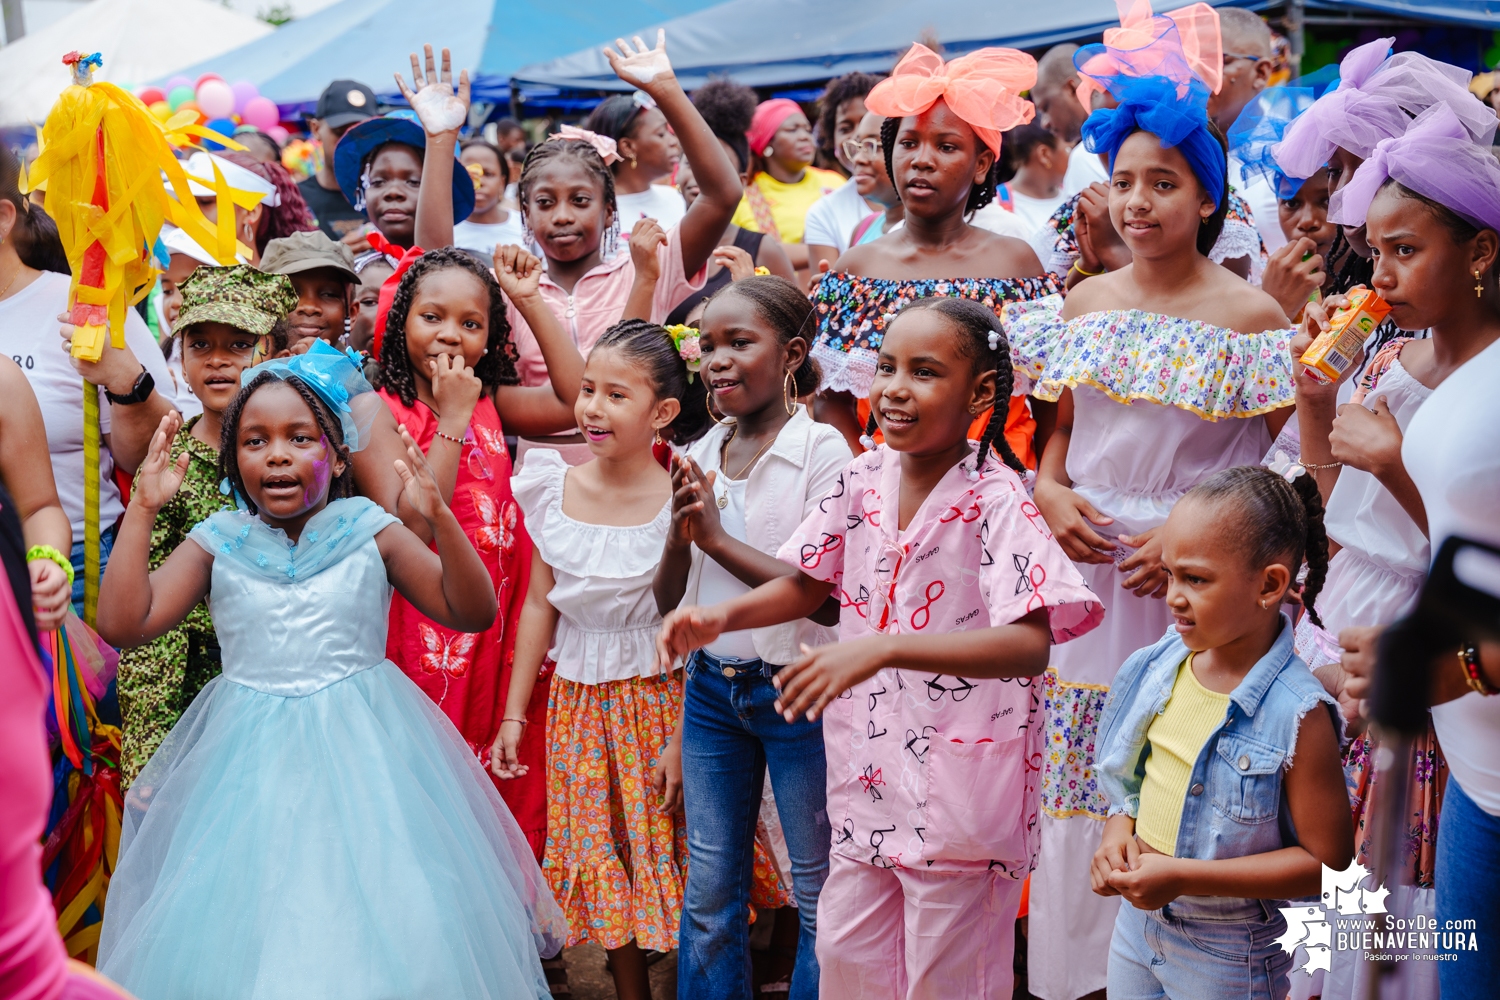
x=983, y=88
x=404, y=259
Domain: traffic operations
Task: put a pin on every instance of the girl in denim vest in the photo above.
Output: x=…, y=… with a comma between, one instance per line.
x=1224, y=783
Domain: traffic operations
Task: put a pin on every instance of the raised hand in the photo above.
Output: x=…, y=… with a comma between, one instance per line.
x=418, y=484
x=519, y=273
x=645, y=236
x=160, y=478
x=432, y=96
x=646, y=68
x=740, y=264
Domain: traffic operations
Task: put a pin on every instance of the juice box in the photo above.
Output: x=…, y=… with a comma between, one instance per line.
x=1339, y=346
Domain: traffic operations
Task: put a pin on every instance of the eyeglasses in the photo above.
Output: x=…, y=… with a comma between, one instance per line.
x=854, y=147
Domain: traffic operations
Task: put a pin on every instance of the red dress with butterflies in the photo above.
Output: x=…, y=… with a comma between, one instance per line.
x=467, y=674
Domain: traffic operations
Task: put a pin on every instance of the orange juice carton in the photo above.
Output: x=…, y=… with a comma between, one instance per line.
x=1339, y=346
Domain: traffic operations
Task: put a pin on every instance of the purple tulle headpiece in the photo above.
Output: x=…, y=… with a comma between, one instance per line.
x=1376, y=99
x=1438, y=159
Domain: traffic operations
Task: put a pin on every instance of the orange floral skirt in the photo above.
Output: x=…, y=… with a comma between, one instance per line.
x=615, y=860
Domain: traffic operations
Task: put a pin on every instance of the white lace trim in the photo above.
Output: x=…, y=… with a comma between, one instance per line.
x=845, y=371
x=1239, y=240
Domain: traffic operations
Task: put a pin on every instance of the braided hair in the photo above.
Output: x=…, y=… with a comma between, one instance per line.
x=1275, y=518
x=342, y=484
x=652, y=348
x=980, y=194
x=552, y=150
x=978, y=328
x=496, y=368
x=788, y=312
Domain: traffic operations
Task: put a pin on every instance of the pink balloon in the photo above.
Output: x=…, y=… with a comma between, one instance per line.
x=215, y=98
x=206, y=76
x=278, y=133
x=177, y=81
x=244, y=93
x=262, y=113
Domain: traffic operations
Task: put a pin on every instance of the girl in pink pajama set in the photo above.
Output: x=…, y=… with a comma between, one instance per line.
x=952, y=591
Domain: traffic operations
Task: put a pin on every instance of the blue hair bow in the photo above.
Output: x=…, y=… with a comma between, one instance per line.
x=336, y=379
x=1151, y=104
x=1265, y=120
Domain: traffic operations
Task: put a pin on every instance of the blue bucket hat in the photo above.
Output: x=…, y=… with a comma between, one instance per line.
x=401, y=126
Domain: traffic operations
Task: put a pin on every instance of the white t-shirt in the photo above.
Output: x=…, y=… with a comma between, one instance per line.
x=484, y=237
x=1452, y=453
x=1034, y=212
x=1084, y=168
x=832, y=218
x=717, y=583
x=1261, y=198
x=28, y=333
x=659, y=202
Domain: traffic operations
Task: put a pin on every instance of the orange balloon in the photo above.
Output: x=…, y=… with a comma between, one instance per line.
x=193, y=107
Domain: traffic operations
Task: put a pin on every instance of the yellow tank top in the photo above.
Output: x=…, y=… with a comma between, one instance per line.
x=1175, y=739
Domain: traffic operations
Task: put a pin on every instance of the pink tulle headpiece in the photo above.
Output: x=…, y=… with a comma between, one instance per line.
x=983, y=88
x=603, y=144
x=1173, y=45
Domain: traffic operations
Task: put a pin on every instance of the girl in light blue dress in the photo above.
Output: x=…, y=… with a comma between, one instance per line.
x=314, y=826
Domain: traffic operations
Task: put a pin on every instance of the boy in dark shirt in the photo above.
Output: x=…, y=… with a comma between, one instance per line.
x=343, y=104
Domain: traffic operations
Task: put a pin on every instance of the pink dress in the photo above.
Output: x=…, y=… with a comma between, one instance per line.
x=934, y=770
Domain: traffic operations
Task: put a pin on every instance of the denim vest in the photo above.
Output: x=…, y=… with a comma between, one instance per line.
x=1236, y=802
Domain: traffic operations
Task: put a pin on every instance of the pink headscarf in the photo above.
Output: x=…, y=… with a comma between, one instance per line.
x=768, y=118
x=1147, y=45
x=983, y=88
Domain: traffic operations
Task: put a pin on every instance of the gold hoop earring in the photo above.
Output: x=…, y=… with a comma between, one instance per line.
x=789, y=394
x=708, y=405
x=1478, y=285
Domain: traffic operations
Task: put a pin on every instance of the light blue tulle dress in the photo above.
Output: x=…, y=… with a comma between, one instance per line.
x=314, y=827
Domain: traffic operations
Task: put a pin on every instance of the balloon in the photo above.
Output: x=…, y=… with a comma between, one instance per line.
x=278, y=133
x=193, y=107
x=178, y=81
x=161, y=109
x=178, y=96
x=262, y=113
x=206, y=76
x=223, y=126
x=244, y=93
x=215, y=98
x=150, y=95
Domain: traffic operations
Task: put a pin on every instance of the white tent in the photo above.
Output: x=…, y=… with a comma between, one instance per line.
x=141, y=40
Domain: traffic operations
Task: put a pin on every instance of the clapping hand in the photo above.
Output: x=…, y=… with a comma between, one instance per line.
x=440, y=110
x=646, y=68
x=160, y=477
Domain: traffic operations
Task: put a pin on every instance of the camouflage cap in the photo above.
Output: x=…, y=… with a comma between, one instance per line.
x=238, y=296
x=308, y=251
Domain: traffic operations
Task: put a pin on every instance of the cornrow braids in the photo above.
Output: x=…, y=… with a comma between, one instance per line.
x=788, y=311
x=982, y=340
x=980, y=194
x=1276, y=518
x=342, y=484
x=547, y=152
x=651, y=347
x=496, y=368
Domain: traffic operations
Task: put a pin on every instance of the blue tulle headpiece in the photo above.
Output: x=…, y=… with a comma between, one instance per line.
x=1158, y=105
x=1266, y=119
x=337, y=380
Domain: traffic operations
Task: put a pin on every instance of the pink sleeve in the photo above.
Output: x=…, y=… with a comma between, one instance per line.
x=1022, y=568
x=674, y=285
x=530, y=365
x=816, y=547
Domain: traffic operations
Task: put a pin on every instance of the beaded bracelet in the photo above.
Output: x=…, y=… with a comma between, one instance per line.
x=48, y=552
x=1310, y=467
x=1468, y=658
x=450, y=437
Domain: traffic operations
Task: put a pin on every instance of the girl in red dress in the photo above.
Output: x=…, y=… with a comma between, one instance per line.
x=448, y=374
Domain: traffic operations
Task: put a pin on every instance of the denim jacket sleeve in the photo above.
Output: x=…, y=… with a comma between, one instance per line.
x=1135, y=697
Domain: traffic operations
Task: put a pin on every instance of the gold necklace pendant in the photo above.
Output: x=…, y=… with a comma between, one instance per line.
x=723, y=500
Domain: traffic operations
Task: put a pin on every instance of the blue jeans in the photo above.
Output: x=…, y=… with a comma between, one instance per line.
x=731, y=734
x=106, y=546
x=1468, y=889
x=1199, y=948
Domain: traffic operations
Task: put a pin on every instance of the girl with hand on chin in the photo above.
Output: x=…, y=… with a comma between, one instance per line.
x=312, y=764
x=951, y=591
x=1129, y=443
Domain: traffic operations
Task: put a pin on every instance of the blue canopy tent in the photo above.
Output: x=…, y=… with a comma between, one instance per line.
x=368, y=40
x=781, y=43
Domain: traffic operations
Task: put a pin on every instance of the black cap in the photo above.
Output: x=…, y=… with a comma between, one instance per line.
x=345, y=102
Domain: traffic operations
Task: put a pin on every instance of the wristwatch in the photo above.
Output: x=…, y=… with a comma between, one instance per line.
x=144, y=386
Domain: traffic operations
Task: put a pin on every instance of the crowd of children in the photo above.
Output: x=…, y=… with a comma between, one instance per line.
x=514, y=538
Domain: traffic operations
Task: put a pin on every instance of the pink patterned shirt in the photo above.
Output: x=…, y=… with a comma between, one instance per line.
x=934, y=770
